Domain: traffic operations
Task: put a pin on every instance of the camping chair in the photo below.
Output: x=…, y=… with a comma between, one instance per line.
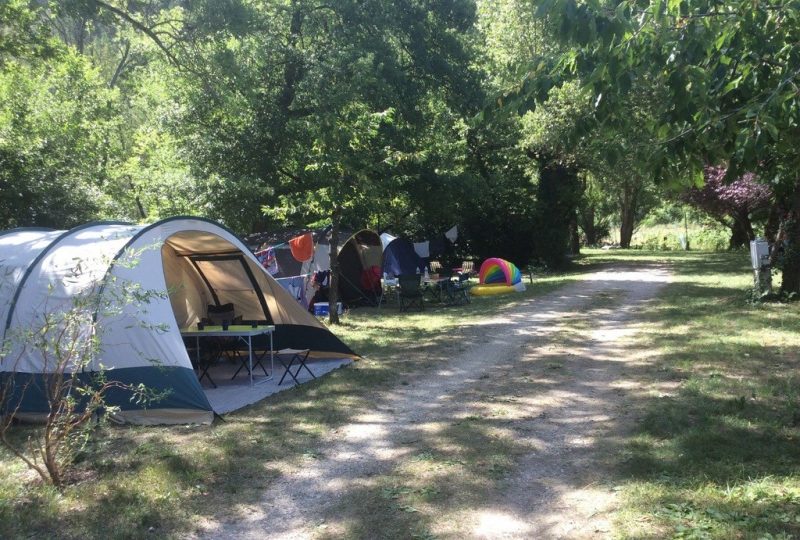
x=243, y=356
x=467, y=268
x=219, y=315
x=203, y=361
x=295, y=355
x=462, y=287
x=410, y=292
x=455, y=293
x=389, y=292
x=436, y=267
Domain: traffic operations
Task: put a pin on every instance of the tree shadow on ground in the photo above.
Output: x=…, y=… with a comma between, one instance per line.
x=717, y=454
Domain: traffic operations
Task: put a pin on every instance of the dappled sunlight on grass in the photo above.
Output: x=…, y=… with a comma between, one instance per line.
x=728, y=421
x=710, y=384
x=156, y=480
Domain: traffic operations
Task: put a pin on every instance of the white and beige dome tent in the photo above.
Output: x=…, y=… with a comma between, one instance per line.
x=147, y=282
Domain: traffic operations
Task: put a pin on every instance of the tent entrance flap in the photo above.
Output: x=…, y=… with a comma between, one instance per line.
x=230, y=279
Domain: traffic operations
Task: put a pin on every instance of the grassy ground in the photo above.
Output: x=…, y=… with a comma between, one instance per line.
x=713, y=453
x=135, y=482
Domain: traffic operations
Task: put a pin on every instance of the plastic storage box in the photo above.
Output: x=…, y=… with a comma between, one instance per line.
x=322, y=308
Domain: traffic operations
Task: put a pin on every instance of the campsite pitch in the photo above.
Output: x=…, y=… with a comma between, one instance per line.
x=577, y=409
x=499, y=441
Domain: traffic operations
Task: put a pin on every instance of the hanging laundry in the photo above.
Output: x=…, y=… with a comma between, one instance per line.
x=286, y=283
x=267, y=259
x=322, y=279
x=302, y=247
x=299, y=284
x=452, y=234
x=423, y=249
x=322, y=258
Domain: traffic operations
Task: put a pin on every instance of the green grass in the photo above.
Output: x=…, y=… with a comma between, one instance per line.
x=713, y=451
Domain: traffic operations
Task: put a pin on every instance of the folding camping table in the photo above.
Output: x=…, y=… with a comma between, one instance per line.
x=243, y=334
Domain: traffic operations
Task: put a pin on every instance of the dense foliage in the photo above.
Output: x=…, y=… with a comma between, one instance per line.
x=725, y=78
x=732, y=203
x=409, y=116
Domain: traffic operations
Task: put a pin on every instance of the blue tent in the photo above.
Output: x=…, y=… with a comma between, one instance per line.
x=399, y=258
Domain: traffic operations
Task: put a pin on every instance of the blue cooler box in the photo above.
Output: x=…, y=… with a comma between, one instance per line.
x=321, y=308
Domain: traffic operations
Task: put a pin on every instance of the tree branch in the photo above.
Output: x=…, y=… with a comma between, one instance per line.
x=113, y=82
x=141, y=27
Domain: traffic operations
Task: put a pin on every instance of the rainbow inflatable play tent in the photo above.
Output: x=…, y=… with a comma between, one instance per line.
x=498, y=276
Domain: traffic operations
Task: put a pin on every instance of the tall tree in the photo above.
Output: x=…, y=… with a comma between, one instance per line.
x=731, y=203
x=729, y=76
x=57, y=121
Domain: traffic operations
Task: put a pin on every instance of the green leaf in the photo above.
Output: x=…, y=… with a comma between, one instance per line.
x=773, y=131
x=657, y=10
x=674, y=6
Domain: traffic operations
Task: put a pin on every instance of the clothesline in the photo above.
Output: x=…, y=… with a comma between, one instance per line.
x=264, y=247
x=292, y=277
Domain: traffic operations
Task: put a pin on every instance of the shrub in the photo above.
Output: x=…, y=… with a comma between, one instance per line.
x=65, y=335
x=710, y=239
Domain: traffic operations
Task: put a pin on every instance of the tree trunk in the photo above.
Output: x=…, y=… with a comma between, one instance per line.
x=588, y=226
x=294, y=69
x=773, y=223
x=741, y=231
x=574, y=238
x=791, y=256
x=333, y=292
x=630, y=196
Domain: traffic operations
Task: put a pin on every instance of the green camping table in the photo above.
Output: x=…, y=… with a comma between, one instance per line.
x=242, y=333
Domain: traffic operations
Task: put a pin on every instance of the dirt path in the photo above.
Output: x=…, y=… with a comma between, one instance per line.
x=557, y=368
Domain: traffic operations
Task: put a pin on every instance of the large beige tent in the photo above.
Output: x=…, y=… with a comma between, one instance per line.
x=190, y=263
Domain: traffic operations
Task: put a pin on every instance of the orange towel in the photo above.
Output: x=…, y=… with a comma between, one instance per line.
x=302, y=247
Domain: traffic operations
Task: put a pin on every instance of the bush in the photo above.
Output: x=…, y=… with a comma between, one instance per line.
x=656, y=240
x=667, y=238
x=710, y=239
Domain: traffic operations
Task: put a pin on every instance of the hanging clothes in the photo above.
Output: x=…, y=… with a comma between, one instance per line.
x=299, y=284
x=268, y=260
x=302, y=247
x=322, y=279
x=423, y=249
x=322, y=258
x=287, y=284
x=452, y=234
